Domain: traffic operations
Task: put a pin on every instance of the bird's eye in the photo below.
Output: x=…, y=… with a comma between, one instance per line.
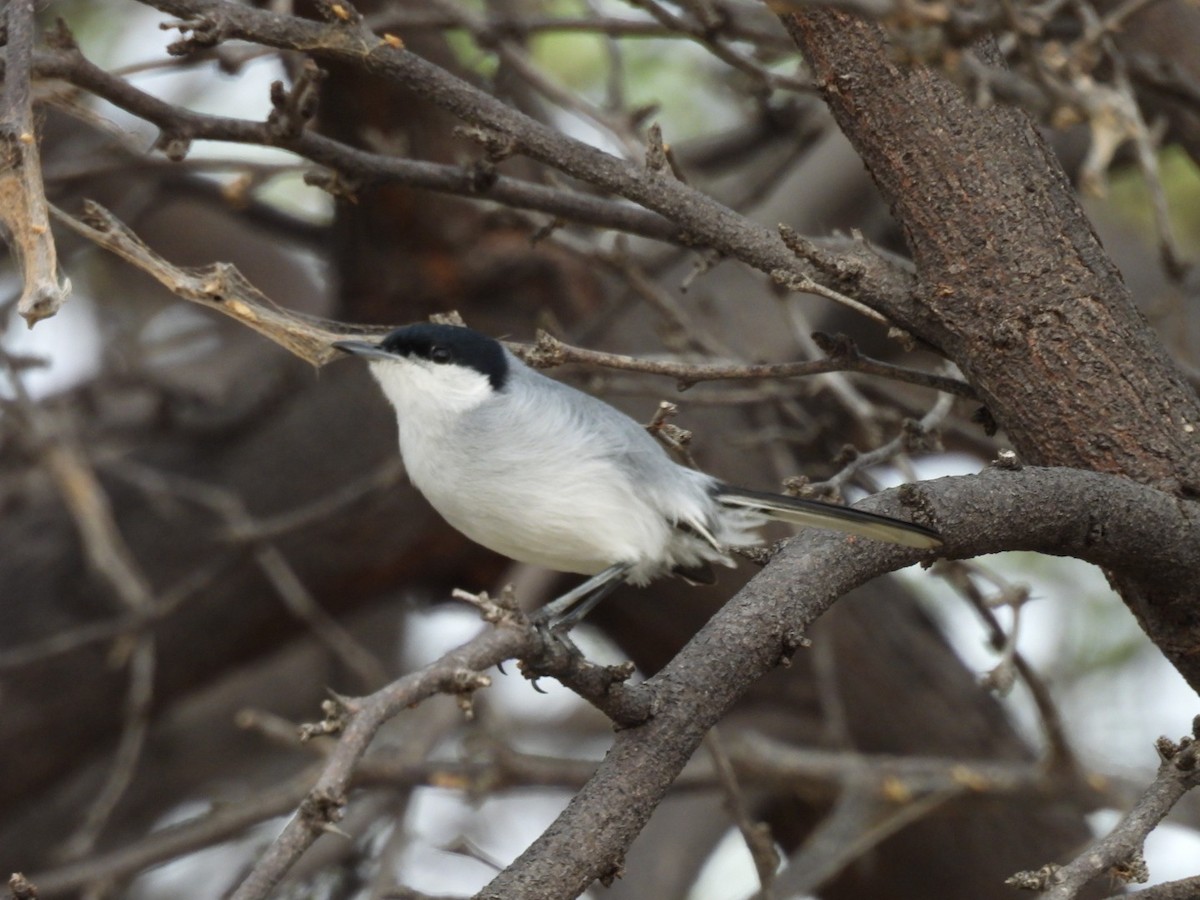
x=439, y=354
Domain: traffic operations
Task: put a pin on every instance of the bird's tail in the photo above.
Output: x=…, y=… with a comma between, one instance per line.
x=815, y=514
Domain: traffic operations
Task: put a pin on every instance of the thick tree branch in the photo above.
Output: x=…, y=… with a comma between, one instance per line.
x=1108, y=521
x=1144, y=537
x=459, y=673
x=1017, y=289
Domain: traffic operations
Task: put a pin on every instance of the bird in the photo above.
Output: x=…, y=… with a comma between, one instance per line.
x=548, y=475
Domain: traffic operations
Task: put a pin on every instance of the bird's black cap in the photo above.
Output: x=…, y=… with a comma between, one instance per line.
x=451, y=344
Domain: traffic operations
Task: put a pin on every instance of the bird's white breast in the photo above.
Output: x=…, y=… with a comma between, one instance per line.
x=543, y=474
x=508, y=482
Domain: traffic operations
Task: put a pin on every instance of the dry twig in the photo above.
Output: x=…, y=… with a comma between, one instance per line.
x=23, y=208
x=1119, y=853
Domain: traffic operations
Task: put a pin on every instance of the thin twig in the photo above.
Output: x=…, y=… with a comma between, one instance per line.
x=526, y=26
x=1060, y=756
x=548, y=351
x=1119, y=853
x=131, y=623
x=455, y=673
x=704, y=221
x=757, y=835
x=1144, y=147
x=841, y=387
x=218, y=287
x=521, y=64
x=271, y=561
x=861, y=819
x=357, y=168
x=320, y=510
x=912, y=434
x=68, y=466
x=756, y=761
x=712, y=39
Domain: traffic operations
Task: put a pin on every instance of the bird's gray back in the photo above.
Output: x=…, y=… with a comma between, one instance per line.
x=560, y=419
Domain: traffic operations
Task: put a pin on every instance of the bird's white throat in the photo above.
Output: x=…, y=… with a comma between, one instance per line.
x=434, y=394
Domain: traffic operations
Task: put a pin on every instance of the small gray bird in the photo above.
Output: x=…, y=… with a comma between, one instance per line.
x=546, y=474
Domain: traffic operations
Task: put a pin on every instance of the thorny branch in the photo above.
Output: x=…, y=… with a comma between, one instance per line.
x=958, y=503
x=867, y=279
x=180, y=127
x=356, y=720
x=355, y=169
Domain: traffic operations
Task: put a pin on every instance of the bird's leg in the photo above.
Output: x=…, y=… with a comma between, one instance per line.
x=564, y=613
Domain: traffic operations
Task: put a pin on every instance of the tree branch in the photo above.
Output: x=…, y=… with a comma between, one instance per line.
x=755, y=760
x=179, y=127
x=1108, y=521
x=108, y=552
x=357, y=722
x=22, y=195
x=1008, y=266
x=548, y=351
x=701, y=220
x=222, y=288
x=1119, y=852
x=1184, y=889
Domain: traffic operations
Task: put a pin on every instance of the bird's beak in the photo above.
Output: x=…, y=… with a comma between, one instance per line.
x=363, y=349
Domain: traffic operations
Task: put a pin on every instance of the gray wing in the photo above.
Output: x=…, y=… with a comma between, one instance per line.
x=545, y=416
x=605, y=429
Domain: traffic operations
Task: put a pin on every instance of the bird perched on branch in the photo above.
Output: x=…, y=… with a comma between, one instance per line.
x=548, y=475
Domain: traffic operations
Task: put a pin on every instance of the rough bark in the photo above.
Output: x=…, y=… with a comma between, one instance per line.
x=1015, y=287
